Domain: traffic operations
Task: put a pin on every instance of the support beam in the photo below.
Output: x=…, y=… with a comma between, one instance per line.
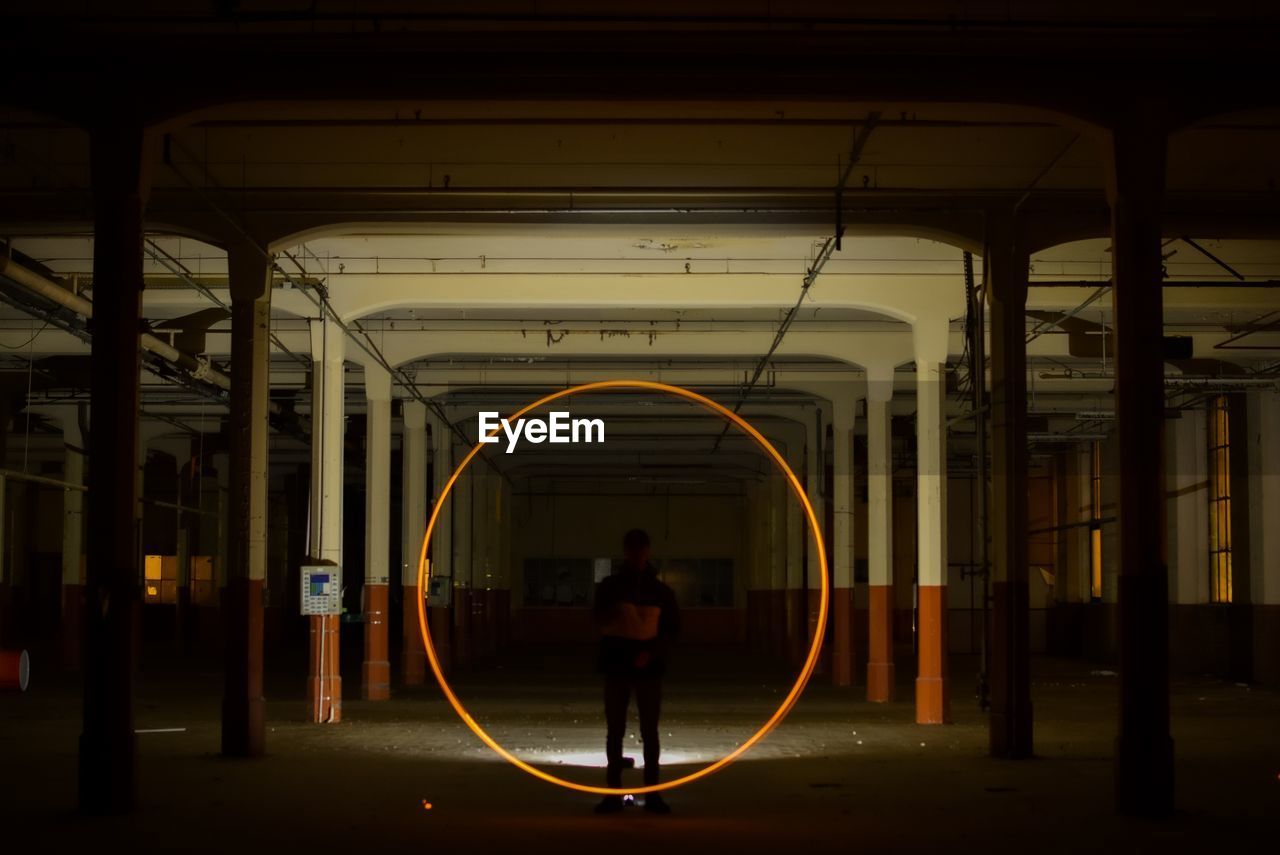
x=1010, y=659
x=413, y=451
x=328, y=342
x=119, y=154
x=880, y=668
x=1144, y=748
x=843, y=672
x=375, y=672
x=932, y=690
x=243, y=704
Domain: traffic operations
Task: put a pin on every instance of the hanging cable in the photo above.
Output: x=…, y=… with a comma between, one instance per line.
x=830, y=245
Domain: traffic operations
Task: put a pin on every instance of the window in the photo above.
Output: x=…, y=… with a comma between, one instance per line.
x=1095, y=521
x=1219, y=501
x=160, y=573
x=558, y=581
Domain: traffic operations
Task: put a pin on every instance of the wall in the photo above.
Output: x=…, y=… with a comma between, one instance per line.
x=592, y=526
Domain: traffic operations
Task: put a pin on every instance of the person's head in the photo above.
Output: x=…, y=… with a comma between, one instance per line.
x=635, y=547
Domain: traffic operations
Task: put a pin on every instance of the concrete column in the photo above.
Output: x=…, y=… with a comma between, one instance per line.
x=463, y=571
x=72, y=541
x=797, y=532
x=880, y=669
x=814, y=470
x=328, y=351
x=1264, y=535
x=243, y=704
x=932, y=702
x=120, y=156
x=375, y=672
x=441, y=614
x=1010, y=660
x=756, y=531
x=1144, y=748
x=413, y=660
x=842, y=483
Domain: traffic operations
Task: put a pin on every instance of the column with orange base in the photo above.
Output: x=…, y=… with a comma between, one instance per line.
x=777, y=606
x=328, y=350
x=439, y=612
x=463, y=583
x=814, y=470
x=931, y=495
x=842, y=605
x=413, y=450
x=880, y=671
x=375, y=671
x=795, y=593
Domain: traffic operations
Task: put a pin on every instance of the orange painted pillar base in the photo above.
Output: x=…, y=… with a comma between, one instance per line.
x=375, y=671
x=438, y=620
x=880, y=675
x=324, y=682
x=842, y=647
x=812, y=600
x=462, y=627
x=796, y=626
x=413, y=658
x=932, y=702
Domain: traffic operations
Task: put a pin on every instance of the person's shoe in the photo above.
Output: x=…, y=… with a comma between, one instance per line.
x=610, y=804
x=655, y=803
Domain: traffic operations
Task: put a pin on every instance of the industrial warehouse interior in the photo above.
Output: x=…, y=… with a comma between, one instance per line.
x=881, y=402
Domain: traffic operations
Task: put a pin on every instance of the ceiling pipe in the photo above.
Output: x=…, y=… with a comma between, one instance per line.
x=198, y=369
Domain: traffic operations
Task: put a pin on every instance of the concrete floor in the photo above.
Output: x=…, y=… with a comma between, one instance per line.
x=838, y=772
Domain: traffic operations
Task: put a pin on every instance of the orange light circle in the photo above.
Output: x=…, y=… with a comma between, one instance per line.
x=815, y=646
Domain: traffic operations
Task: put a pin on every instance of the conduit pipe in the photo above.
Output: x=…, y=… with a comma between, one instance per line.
x=198, y=369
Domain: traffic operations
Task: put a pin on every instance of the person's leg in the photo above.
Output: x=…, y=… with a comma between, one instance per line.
x=649, y=704
x=617, y=695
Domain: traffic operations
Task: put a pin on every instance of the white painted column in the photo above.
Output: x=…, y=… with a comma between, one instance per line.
x=843, y=417
x=797, y=530
x=779, y=498
x=931, y=523
x=880, y=668
x=328, y=352
x=413, y=453
x=463, y=572
x=375, y=677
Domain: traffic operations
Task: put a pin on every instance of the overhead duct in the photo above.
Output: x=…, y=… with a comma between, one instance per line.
x=197, y=369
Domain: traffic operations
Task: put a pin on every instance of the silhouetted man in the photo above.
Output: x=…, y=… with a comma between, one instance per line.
x=638, y=619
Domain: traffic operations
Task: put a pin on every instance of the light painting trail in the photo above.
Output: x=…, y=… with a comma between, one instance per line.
x=815, y=645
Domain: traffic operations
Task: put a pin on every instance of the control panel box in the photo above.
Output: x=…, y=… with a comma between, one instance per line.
x=440, y=591
x=322, y=590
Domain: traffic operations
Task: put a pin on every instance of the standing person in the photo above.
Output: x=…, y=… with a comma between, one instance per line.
x=638, y=620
